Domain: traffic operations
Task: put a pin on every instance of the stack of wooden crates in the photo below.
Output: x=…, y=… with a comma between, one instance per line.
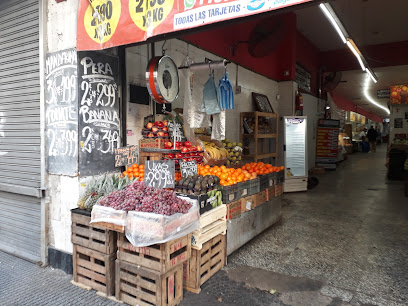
x=208, y=254
x=153, y=274
x=94, y=253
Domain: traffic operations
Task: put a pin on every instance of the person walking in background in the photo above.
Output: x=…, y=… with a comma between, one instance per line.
x=372, y=138
x=379, y=137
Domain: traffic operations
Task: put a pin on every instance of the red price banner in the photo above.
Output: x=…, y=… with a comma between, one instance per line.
x=109, y=23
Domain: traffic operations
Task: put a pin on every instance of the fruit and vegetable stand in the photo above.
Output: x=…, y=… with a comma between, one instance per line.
x=169, y=221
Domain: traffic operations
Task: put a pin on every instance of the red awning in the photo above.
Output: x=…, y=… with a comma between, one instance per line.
x=108, y=23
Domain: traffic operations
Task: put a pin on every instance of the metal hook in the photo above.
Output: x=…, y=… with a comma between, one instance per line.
x=164, y=50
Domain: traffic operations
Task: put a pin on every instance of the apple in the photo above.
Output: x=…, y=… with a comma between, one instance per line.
x=197, y=159
x=149, y=125
x=166, y=134
x=155, y=129
x=185, y=159
x=165, y=123
x=165, y=129
x=190, y=159
x=179, y=155
x=184, y=149
x=169, y=144
x=159, y=124
x=178, y=148
x=160, y=134
x=150, y=135
x=176, y=161
x=201, y=154
x=199, y=148
x=187, y=155
x=170, y=156
x=194, y=149
x=187, y=144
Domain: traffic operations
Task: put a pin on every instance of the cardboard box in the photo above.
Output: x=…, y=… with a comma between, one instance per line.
x=269, y=193
x=248, y=203
x=318, y=170
x=260, y=198
x=152, y=143
x=233, y=209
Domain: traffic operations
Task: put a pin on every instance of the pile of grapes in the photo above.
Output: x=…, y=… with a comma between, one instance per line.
x=138, y=197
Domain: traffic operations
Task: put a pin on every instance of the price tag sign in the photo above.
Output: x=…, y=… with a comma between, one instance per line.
x=188, y=168
x=126, y=156
x=159, y=173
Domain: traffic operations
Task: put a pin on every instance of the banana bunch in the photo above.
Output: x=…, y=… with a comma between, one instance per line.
x=215, y=152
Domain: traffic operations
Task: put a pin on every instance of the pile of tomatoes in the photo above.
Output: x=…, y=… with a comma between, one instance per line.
x=231, y=176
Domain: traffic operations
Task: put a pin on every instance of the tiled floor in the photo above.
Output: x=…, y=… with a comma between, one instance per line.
x=351, y=232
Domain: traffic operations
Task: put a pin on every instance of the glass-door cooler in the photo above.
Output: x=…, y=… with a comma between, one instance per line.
x=295, y=147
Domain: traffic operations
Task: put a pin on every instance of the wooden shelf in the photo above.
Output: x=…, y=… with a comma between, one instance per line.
x=260, y=135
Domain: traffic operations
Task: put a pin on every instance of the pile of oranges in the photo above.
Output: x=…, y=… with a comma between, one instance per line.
x=261, y=168
x=231, y=176
x=135, y=172
x=228, y=176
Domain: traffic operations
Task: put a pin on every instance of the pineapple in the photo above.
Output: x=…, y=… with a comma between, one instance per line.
x=89, y=189
x=94, y=196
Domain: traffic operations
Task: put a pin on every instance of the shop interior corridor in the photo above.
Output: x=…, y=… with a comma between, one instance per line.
x=343, y=242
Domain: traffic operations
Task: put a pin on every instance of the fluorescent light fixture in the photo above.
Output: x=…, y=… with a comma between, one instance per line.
x=372, y=75
x=371, y=100
x=328, y=11
x=356, y=52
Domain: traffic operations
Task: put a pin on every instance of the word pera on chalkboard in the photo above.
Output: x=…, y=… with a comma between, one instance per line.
x=126, y=156
x=188, y=168
x=160, y=173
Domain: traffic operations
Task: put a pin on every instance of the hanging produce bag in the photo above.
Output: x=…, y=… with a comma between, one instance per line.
x=192, y=107
x=210, y=99
x=225, y=93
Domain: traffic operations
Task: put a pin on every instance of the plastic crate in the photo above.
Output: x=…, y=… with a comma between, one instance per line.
x=254, y=186
x=231, y=193
x=280, y=177
x=263, y=182
x=272, y=179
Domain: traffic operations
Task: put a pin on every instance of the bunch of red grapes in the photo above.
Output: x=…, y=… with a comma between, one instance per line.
x=138, y=197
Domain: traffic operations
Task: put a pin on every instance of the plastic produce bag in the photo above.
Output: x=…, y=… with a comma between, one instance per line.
x=145, y=228
x=210, y=98
x=218, y=126
x=109, y=215
x=192, y=104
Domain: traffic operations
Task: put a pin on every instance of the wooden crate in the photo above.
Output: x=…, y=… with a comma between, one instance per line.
x=212, y=223
x=94, y=269
x=204, y=263
x=110, y=226
x=159, y=257
x=144, y=156
x=136, y=285
x=92, y=236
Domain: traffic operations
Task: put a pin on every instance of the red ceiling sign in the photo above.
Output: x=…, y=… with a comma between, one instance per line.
x=108, y=23
x=399, y=94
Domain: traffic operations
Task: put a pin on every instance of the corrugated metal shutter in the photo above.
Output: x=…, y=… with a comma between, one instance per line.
x=20, y=141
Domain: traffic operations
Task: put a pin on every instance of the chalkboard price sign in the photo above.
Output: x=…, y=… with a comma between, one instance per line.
x=262, y=103
x=126, y=156
x=61, y=117
x=176, y=131
x=159, y=173
x=188, y=168
x=98, y=112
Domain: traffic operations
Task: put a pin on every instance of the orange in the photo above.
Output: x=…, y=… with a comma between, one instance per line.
x=135, y=166
x=124, y=173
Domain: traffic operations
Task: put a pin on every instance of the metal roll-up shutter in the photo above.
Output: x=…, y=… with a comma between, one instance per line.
x=20, y=138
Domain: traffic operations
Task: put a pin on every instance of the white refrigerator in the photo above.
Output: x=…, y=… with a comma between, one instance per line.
x=295, y=152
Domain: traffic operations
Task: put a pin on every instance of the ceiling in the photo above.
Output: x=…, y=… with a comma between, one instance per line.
x=368, y=22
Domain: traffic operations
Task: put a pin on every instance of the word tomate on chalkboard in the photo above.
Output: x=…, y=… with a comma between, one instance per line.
x=188, y=168
x=61, y=111
x=126, y=156
x=159, y=173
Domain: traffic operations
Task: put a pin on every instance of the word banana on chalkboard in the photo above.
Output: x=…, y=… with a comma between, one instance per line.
x=159, y=173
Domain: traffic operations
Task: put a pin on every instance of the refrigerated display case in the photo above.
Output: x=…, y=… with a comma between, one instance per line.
x=295, y=147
